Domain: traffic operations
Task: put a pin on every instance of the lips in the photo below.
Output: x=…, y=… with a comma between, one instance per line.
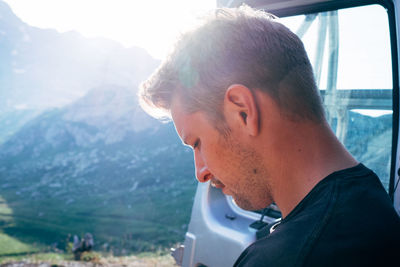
x=217, y=184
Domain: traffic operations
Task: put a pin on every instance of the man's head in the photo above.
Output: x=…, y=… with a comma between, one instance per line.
x=235, y=46
x=224, y=67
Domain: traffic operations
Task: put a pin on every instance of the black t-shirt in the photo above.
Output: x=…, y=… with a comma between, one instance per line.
x=346, y=220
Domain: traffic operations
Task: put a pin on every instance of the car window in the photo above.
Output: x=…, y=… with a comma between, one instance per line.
x=350, y=53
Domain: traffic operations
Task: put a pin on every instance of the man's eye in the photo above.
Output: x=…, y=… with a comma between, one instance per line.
x=196, y=144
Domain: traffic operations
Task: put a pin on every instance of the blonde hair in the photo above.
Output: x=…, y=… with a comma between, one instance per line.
x=235, y=46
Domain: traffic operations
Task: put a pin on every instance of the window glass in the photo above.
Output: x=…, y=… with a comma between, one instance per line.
x=350, y=53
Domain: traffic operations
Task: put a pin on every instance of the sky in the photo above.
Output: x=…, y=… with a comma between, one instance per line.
x=150, y=24
x=155, y=24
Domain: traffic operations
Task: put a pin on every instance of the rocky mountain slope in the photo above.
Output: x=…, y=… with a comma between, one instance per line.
x=77, y=154
x=42, y=68
x=99, y=165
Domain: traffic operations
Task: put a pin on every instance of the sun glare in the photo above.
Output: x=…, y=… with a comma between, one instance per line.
x=152, y=25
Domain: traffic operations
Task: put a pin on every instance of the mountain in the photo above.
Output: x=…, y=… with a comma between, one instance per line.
x=369, y=139
x=98, y=165
x=77, y=153
x=42, y=68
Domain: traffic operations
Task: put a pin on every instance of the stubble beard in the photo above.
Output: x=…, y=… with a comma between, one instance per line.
x=252, y=191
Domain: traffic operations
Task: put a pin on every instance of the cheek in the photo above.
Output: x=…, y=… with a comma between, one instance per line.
x=221, y=158
x=226, y=166
x=213, y=160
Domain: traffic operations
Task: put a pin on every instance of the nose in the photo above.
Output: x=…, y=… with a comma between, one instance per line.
x=202, y=172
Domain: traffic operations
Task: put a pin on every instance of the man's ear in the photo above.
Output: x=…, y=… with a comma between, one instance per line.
x=240, y=107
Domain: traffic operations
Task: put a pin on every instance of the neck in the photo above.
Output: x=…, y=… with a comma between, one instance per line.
x=303, y=160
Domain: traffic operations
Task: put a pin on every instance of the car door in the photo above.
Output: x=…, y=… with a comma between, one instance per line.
x=353, y=47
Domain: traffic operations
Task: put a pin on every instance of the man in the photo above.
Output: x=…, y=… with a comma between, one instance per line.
x=241, y=92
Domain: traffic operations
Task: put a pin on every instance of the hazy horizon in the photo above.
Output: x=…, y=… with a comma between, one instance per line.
x=151, y=25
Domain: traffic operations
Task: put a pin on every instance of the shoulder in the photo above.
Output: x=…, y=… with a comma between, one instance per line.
x=284, y=247
x=363, y=227
x=333, y=220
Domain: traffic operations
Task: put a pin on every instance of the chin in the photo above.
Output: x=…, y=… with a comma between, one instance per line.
x=247, y=205
x=243, y=204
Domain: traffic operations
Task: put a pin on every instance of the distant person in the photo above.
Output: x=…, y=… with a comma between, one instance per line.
x=86, y=244
x=241, y=92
